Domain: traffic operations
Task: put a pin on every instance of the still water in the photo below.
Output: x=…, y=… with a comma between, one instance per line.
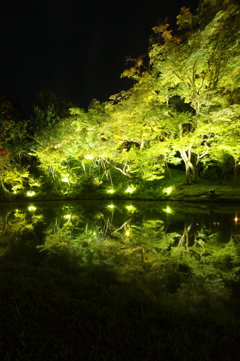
x=182, y=244
x=130, y=223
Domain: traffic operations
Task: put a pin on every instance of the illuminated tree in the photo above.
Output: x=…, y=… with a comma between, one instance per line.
x=200, y=67
x=13, y=137
x=175, y=113
x=68, y=152
x=224, y=130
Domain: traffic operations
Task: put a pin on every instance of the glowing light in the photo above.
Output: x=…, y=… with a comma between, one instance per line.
x=31, y=193
x=130, y=189
x=65, y=179
x=111, y=191
x=236, y=219
x=168, y=210
x=89, y=156
x=32, y=208
x=131, y=208
x=67, y=216
x=111, y=206
x=127, y=233
x=168, y=190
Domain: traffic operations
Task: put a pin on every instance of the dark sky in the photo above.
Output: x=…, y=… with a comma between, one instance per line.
x=75, y=48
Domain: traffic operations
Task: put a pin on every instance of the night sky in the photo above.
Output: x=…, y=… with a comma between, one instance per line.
x=75, y=48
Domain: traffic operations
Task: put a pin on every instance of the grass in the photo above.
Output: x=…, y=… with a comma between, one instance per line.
x=52, y=308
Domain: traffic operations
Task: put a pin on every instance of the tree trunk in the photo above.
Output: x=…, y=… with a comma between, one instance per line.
x=187, y=173
x=191, y=169
x=185, y=238
x=194, y=169
x=195, y=175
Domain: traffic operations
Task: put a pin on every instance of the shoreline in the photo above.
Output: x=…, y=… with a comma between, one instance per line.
x=188, y=193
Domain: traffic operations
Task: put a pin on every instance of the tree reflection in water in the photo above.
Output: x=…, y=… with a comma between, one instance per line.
x=91, y=269
x=182, y=248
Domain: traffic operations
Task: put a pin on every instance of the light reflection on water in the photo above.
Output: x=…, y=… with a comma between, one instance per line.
x=181, y=245
x=114, y=219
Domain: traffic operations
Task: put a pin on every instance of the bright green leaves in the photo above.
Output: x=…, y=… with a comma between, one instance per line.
x=182, y=109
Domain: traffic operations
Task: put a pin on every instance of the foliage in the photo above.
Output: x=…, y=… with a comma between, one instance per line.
x=181, y=112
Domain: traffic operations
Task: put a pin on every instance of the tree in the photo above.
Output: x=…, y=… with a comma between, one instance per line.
x=196, y=66
x=13, y=135
x=48, y=110
x=176, y=111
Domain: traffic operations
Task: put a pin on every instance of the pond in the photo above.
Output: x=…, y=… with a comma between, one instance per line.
x=182, y=256
x=125, y=234
x=151, y=225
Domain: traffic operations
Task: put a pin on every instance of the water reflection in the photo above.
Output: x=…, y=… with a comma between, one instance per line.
x=146, y=263
x=141, y=234
x=133, y=222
